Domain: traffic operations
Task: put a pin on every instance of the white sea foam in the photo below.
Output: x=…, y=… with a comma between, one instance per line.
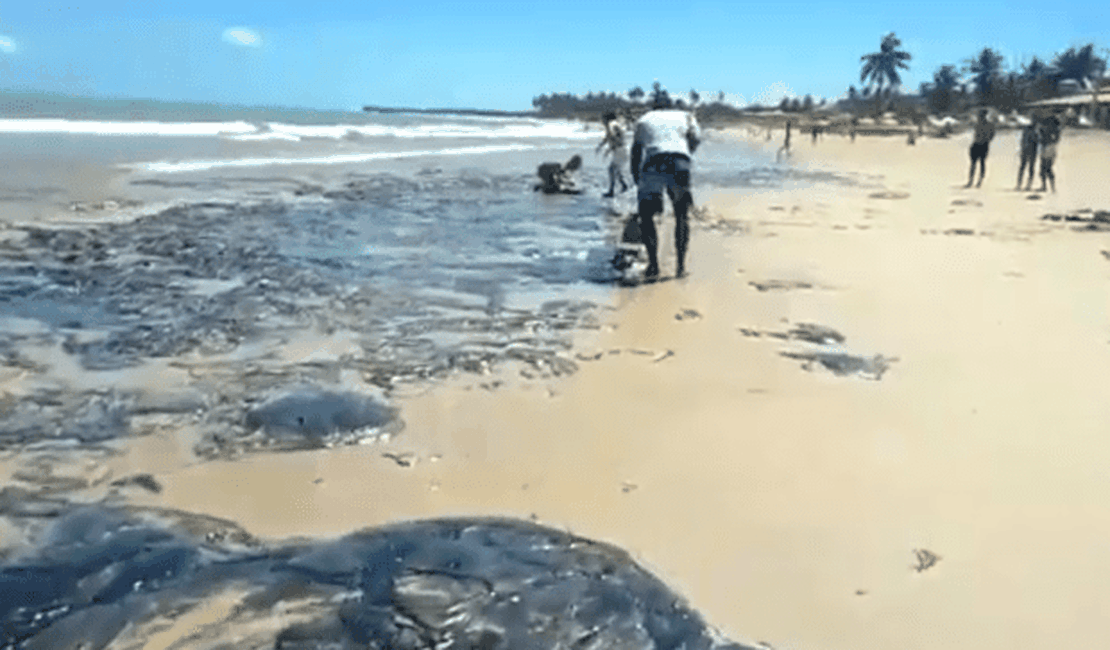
x=203, y=165
x=95, y=127
x=493, y=129
x=558, y=130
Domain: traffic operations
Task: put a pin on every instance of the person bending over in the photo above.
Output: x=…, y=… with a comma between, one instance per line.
x=664, y=140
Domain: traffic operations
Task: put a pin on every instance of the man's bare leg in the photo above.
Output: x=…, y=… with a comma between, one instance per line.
x=648, y=209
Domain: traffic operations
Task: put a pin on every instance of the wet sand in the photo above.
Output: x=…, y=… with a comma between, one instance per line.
x=792, y=501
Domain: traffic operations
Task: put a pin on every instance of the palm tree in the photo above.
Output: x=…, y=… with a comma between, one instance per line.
x=659, y=96
x=881, y=67
x=636, y=94
x=1038, y=79
x=945, y=81
x=1081, y=64
x=694, y=97
x=986, y=68
x=1084, y=66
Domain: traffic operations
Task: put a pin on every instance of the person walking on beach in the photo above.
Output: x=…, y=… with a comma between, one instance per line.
x=1050, y=137
x=1029, y=144
x=663, y=142
x=615, y=148
x=785, y=150
x=984, y=133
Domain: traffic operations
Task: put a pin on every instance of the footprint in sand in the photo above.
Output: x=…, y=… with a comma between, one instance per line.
x=971, y=203
x=687, y=314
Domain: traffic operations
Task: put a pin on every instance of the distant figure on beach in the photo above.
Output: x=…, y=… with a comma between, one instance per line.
x=558, y=179
x=614, y=145
x=855, y=124
x=1029, y=143
x=785, y=150
x=1050, y=137
x=980, y=144
x=663, y=142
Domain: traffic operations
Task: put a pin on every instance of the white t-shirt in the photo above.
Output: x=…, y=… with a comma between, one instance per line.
x=665, y=131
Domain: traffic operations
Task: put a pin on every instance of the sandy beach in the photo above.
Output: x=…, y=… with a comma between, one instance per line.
x=924, y=470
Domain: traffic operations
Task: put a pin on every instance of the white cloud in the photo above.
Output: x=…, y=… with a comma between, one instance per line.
x=7, y=44
x=242, y=36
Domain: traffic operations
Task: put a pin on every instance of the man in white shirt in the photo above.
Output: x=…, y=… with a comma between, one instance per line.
x=664, y=140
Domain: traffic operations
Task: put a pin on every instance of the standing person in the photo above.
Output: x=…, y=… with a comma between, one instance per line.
x=663, y=142
x=785, y=141
x=1028, y=154
x=984, y=133
x=614, y=146
x=1050, y=137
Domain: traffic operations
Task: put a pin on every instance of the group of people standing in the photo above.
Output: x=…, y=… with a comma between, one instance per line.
x=1038, y=137
x=1043, y=136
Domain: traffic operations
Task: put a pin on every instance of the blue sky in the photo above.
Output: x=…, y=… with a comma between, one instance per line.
x=422, y=53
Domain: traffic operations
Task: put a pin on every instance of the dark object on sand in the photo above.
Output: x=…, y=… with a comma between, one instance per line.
x=145, y=481
x=780, y=285
x=556, y=178
x=926, y=559
x=311, y=418
x=631, y=232
x=843, y=365
x=889, y=195
x=1092, y=220
x=813, y=333
x=497, y=584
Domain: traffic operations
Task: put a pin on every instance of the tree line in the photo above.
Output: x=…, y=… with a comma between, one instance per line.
x=634, y=101
x=981, y=80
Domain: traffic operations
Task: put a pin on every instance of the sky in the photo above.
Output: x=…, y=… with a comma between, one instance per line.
x=337, y=54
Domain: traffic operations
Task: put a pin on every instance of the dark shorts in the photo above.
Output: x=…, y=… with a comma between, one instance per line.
x=979, y=150
x=669, y=172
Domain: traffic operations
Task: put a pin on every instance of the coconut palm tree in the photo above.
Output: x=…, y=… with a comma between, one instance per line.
x=1080, y=64
x=659, y=95
x=945, y=81
x=986, y=68
x=1038, y=79
x=881, y=67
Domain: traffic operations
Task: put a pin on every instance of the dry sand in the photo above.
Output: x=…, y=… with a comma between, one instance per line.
x=787, y=504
